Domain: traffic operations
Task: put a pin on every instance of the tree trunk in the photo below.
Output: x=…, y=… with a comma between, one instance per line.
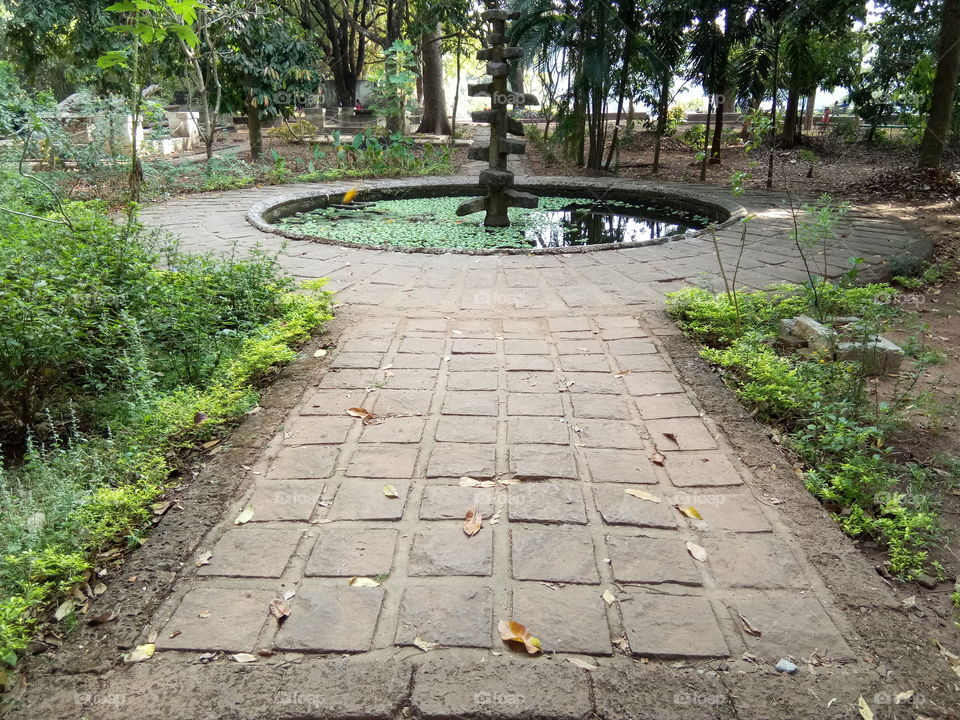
x=791, y=118
x=434, y=119
x=706, y=142
x=808, y=116
x=253, y=127
x=662, y=109
x=772, y=136
x=718, y=130
x=944, y=87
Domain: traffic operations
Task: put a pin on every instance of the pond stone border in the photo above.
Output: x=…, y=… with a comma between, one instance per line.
x=265, y=213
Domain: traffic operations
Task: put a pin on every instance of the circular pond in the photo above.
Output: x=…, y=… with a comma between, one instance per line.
x=422, y=218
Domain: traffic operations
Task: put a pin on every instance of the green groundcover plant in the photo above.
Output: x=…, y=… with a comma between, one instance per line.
x=118, y=356
x=836, y=429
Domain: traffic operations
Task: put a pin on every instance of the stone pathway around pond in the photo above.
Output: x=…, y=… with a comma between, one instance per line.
x=619, y=526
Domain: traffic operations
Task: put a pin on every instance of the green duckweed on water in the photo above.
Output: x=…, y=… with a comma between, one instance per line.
x=432, y=222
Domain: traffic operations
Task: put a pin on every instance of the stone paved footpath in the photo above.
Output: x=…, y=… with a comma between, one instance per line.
x=544, y=380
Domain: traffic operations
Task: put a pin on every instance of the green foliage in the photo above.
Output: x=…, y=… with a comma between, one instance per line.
x=295, y=131
x=372, y=155
x=114, y=344
x=396, y=83
x=694, y=136
x=837, y=435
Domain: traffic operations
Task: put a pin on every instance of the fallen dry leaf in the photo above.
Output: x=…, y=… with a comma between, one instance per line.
x=204, y=558
x=243, y=658
x=642, y=495
x=320, y=353
x=362, y=582
x=608, y=597
x=623, y=372
x=199, y=418
x=279, y=609
x=748, y=628
x=902, y=697
x=511, y=631
x=690, y=511
x=366, y=417
x=63, y=609
x=494, y=519
x=697, y=552
x=245, y=516
x=621, y=643
x=160, y=508
x=424, y=645
x=141, y=653
x=349, y=195
x=472, y=522
x=210, y=444
x=203, y=614
x=99, y=589
x=390, y=491
x=582, y=664
x=470, y=482
x=103, y=618
x=658, y=458
x=865, y=712
x=952, y=659
x=672, y=438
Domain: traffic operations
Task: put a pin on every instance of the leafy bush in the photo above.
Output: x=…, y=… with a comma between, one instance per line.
x=119, y=351
x=835, y=432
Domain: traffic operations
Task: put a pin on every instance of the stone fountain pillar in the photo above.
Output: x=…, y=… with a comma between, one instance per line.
x=497, y=179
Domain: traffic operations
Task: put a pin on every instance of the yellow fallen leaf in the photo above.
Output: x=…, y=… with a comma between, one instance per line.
x=582, y=664
x=63, y=609
x=243, y=658
x=390, y=491
x=642, y=494
x=472, y=522
x=690, y=511
x=320, y=353
x=865, y=712
x=245, y=516
x=362, y=582
x=424, y=645
x=697, y=552
x=608, y=597
x=511, y=631
x=141, y=653
x=349, y=195
x=748, y=628
x=472, y=483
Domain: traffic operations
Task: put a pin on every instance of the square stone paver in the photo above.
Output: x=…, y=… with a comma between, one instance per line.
x=701, y=470
x=473, y=363
x=357, y=360
x=618, y=508
x=334, y=402
x=411, y=379
x=672, y=626
x=364, y=500
x=614, y=434
x=467, y=346
x=479, y=380
x=590, y=382
x=328, y=617
x=517, y=346
x=609, y=407
x=467, y=429
x=285, y=499
x=611, y=322
x=305, y=461
x=568, y=324
x=584, y=363
x=652, y=561
x=394, y=430
x=521, y=363
x=657, y=407
x=735, y=512
x=579, y=347
x=549, y=502
x=253, y=552
x=553, y=554
x=232, y=623
x=531, y=404
x=349, y=552
x=451, y=502
x=790, y=625
x=399, y=402
x=532, y=382
x=383, y=461
x=535, y=462
x=620, y=466
x=317, y=429
x=642, y=364
x=680, y=434
x=453, y=613
x=348, y=379
x=420, y=345
x=471, y=403
x=753, y=561
x=410, y=361
x=652, y=383
x=443, y=550
x=452, y=460
x=568, y=619
x=631, y=346
x=538, y=431
x=367, y=344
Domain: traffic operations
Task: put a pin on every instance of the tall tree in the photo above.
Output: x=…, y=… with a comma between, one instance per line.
x=944, y=87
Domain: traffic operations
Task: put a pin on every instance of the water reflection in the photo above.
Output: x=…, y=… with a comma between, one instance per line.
x=591, y=224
